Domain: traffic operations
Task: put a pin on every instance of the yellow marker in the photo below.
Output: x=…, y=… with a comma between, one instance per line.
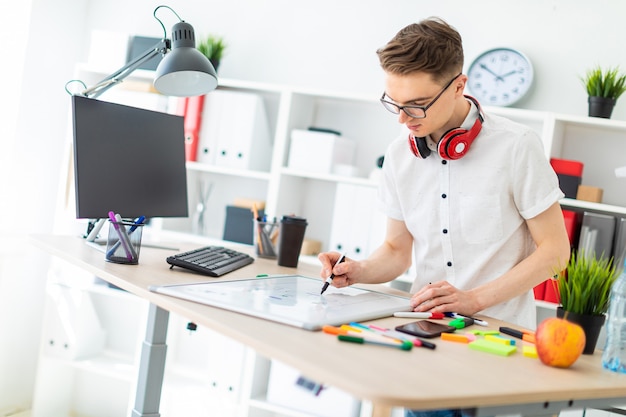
x=484, y=332
x=498, y=339
x=350, y=328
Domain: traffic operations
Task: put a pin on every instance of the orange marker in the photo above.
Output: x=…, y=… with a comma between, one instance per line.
x=453, y=337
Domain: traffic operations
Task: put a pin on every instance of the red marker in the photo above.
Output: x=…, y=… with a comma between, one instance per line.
x=418, y=315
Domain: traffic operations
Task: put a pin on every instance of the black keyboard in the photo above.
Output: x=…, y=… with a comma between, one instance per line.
x=210, y=260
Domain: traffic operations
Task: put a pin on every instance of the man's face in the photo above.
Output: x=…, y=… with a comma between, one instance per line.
x=419, y=89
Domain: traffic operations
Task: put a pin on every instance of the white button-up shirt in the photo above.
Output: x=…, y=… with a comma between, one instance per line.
x=467, y=216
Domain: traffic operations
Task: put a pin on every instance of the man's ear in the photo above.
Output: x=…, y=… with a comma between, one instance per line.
x=459, y=85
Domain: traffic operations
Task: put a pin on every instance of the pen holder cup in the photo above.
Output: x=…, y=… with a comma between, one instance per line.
x=265, y=239
x=123, y=242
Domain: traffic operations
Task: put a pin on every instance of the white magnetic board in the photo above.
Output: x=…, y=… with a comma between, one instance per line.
x=291, y=299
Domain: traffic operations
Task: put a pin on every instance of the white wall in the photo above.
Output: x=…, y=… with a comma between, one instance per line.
x=330, y=44
x=38, y=44
x=326, y=44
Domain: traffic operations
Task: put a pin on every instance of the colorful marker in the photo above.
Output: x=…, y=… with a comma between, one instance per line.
x=351, y=331
x=121, y=234
x=418, y=315
x=138, y=221
x=330, y=278
x=460, y=316
x=394, y=334
x=405, y=345
x=520, y=334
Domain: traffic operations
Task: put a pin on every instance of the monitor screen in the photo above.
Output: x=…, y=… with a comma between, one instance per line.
x=127, y=160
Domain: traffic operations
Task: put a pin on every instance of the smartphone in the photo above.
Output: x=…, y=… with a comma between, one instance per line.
x=425, y=328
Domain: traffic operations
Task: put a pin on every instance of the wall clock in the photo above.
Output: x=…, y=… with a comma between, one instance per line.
x=500, y=77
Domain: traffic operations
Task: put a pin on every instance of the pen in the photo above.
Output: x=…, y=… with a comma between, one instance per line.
x=116, y=220
x=405, y=345
x=330, y=278
x=124, y=236
x=418, y=315
x=139, y=220
x=460, y=316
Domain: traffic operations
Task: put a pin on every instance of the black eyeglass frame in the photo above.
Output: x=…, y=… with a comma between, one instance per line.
x=395, y=109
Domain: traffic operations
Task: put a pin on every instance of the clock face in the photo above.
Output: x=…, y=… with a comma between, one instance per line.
x=500, y=77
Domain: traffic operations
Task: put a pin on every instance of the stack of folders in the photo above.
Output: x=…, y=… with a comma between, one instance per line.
x=595, y=234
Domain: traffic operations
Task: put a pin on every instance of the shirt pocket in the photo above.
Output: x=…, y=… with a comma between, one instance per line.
x=481, y=219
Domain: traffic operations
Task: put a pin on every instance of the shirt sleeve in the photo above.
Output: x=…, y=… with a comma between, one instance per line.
x=536, y=185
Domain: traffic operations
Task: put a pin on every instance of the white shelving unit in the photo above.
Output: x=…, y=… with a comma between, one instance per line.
x=195, y=382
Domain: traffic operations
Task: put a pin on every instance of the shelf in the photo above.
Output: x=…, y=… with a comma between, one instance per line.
x=109, y=364
x=274, y=410
x=257, y=175
x=596, y=207
x=329, y=177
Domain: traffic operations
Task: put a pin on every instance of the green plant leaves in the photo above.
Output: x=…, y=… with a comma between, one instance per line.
x=605, y=83
x=212, y=47
x=585, y=285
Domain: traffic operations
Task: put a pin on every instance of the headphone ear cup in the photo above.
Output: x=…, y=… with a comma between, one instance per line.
x=455, y=143
x=419, y=147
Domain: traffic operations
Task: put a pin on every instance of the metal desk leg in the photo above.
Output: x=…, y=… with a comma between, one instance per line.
x=152, y=364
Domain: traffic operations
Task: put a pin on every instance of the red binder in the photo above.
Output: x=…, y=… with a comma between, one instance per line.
x=193, y=122
x=570, y=225
x=540, y=291
x=552, y=291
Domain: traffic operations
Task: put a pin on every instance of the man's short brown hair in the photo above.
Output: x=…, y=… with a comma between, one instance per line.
x=430, y=46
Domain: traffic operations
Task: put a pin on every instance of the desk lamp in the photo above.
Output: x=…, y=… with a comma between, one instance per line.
x=183, y=72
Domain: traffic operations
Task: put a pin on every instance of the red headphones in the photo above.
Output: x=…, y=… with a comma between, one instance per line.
x=455, y=143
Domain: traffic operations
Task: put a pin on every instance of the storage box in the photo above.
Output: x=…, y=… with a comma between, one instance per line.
x=239, y=224
x=570, y=175
x=589, y=193
x=287, y=388
x=319, y=151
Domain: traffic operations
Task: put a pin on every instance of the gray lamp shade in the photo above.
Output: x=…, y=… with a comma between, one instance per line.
x=185, y=71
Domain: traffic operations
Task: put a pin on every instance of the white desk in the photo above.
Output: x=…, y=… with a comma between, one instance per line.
x=451, y=376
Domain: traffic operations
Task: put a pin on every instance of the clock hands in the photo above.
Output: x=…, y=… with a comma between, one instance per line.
x=509, y=73
x=486, y=68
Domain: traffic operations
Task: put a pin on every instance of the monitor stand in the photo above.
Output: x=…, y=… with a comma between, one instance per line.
x=94, y=227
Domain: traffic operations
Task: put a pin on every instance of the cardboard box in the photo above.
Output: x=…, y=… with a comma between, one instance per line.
x=319, y=151
x=311, y=247
x=589, y=193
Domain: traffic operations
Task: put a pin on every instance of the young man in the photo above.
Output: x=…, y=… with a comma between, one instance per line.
x=476, y=208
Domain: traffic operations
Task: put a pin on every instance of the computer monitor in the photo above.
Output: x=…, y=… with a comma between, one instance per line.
x=128, y=160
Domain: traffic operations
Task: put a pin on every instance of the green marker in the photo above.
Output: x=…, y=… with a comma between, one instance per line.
x=405, y=345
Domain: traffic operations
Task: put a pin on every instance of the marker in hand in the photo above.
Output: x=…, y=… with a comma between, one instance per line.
x=330, y=278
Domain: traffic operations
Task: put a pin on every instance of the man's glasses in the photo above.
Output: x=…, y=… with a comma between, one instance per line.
x=416, y=112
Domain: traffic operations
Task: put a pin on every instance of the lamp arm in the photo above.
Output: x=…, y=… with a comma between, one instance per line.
x=159, y=48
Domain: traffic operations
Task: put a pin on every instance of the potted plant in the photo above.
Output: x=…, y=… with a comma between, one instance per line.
x=212, y=47
x=584, y=289
x=604, y=86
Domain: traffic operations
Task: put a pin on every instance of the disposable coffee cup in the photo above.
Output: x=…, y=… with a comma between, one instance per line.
x=290, y=240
